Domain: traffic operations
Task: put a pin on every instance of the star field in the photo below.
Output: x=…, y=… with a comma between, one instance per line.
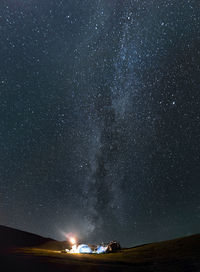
x=100, y=118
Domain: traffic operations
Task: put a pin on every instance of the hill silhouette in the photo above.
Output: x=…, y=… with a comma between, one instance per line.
x=10, y=238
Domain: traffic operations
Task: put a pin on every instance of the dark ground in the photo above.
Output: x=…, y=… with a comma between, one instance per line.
x=179, y=255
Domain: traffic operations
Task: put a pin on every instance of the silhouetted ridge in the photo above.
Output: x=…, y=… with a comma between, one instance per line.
x=10, y=237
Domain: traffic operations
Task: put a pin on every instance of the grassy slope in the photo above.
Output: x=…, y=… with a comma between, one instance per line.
x=179, y=255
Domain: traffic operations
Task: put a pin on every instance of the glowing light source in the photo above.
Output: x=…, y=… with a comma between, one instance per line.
x=72, y=240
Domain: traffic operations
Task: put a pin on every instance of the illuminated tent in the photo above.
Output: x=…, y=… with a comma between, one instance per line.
x=101, y=249
x=84, y=249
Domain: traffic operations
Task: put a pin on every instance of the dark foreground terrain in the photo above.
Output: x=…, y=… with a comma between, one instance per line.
x=29, y=252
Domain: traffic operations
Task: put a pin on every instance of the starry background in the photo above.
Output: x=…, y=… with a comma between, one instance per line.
x=100, y=118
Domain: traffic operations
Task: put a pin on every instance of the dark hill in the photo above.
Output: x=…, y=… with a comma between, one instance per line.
x=10, y=237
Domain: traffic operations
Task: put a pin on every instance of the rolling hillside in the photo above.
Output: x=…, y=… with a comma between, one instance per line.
x=30, y=252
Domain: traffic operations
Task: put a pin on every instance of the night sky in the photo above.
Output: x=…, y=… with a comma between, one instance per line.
x=100, y=118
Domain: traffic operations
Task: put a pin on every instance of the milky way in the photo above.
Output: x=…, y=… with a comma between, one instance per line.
x=99, y=126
